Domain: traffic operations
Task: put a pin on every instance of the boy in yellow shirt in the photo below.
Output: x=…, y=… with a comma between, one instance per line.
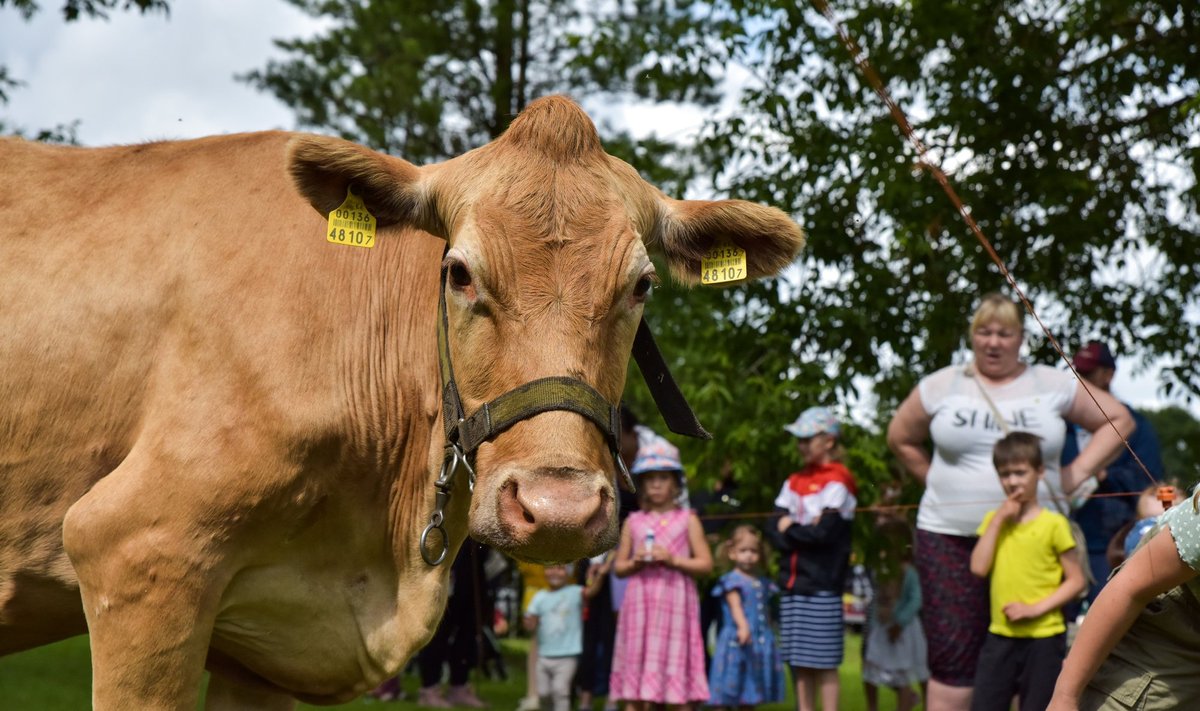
x=1030, y=554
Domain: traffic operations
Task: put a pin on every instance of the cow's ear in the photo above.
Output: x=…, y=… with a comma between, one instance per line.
x=394, y=191
x=687, y=229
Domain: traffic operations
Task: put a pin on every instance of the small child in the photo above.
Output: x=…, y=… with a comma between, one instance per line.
x=659, y=653
x=1034, y=566
x=745, y=666
x=813, y=534
x=1137, y=646
x=896, y=651
x=1149, y=508
x=556, y=614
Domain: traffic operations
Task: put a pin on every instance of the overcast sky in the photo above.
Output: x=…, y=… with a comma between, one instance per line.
x=136, y=78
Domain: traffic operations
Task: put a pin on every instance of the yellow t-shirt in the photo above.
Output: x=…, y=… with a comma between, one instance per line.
x=1026, y=569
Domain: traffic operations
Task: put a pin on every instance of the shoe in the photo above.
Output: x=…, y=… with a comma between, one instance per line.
x=432, y=698
x=388, y=691
x=464, y=696
x=529, y=704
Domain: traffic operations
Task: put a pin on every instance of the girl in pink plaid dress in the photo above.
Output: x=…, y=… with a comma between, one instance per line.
x=659, y=652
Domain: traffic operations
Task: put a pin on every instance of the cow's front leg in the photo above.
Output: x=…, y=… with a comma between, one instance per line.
x=150, y=582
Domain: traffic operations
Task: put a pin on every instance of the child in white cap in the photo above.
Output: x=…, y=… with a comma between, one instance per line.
x=812, y=533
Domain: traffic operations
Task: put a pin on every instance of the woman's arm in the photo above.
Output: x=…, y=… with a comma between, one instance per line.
x=906, y=435
x=700, y=562
x=1105, y=444
x=1154, y=569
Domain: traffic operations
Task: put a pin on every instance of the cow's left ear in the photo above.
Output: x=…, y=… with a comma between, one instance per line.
x=687, y=229
x=394, y=190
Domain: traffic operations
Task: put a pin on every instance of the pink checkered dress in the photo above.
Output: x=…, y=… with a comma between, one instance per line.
x=659, y=653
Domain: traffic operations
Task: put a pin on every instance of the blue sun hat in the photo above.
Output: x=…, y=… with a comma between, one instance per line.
x=656, y=454
x=814, y=421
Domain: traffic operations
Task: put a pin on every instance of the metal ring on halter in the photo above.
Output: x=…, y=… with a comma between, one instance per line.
x=435, y=524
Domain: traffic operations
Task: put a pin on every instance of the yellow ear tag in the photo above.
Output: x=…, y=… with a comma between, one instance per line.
x=724, y=262
x=351, y=223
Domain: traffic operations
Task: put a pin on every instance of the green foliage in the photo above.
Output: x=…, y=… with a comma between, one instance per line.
x=1065, y=127
x=74, y=9
x=1069, y=129
x=429, y=79
x=1179, y=440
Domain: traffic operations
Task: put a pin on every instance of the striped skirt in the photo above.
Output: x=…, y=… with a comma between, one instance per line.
x=811, y=630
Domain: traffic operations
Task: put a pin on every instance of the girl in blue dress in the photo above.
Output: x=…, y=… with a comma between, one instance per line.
x=746, y=670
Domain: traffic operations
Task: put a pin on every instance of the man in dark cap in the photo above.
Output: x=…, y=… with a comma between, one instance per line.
x=1101, y=517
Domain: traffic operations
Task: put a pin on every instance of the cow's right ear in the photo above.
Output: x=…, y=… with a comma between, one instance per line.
x=395, y=191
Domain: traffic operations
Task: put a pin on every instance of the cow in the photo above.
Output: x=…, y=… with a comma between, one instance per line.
x=222, y=437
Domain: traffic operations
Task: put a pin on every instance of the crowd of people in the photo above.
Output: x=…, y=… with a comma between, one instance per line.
x=1034, y=510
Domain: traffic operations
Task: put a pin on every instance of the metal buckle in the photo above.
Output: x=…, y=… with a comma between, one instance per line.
x=453, y=458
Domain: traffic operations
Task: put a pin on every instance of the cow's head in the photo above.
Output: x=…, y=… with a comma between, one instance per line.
x=548, y=269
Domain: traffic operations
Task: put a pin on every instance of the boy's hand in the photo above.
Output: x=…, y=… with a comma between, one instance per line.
x=1010, y=510
x=743, y=634
x=785, y=522
x=1018, y=611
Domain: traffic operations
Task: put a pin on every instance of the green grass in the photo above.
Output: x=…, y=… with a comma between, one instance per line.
x=58, y=677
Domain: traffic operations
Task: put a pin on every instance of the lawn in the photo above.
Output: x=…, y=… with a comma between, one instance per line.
x=57, y=677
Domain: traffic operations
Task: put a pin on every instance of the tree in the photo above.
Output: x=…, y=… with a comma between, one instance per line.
x=1179, y=438
x=72, y=10
x=1069, y=128
x=429, y=79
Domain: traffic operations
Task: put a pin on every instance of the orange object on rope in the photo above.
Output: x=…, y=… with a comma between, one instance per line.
x=1166, y=496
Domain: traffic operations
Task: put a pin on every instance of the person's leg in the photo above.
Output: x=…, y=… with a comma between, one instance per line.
x=1042, y=663
x=906, y=698
x=530, y=700
x=827, y=681
x=562, y=672
x=954, y=615
x=806, y=688
x=871, y=692
x=999, y=669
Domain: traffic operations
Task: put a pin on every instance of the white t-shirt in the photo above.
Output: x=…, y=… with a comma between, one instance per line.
x=962, y=485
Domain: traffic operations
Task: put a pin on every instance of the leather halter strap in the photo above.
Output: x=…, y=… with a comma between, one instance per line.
x=465, y=433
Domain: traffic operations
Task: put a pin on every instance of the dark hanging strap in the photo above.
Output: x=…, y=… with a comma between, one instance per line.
x=674, y=407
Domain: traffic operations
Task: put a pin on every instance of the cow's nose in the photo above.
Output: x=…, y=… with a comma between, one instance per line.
x=560, y=513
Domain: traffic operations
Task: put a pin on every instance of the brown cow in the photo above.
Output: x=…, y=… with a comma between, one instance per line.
x=221, y=432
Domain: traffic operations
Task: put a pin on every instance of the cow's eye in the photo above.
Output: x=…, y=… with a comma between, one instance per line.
x=460, y=276
x=643, y=286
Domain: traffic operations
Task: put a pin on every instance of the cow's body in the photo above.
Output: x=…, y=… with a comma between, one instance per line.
x=240, y=423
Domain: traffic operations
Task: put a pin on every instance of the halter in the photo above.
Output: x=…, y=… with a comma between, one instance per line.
x=465, y=433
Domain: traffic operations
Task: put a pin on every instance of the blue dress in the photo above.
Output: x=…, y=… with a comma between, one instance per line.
x=749, y=674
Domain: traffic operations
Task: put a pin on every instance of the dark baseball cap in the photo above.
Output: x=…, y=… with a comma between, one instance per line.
x=1094, y=355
